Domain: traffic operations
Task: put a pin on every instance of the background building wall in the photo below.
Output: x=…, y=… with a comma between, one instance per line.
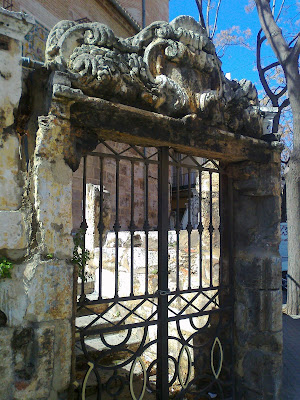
x=156, y=10
x=49, y=12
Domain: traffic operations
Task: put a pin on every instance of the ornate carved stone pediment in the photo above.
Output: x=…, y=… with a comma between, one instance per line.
x=171, y=68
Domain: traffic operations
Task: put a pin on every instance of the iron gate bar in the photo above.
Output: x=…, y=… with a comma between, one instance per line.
x=200, y=228
x=127, y=158
x=131, y=227
x=162, y=378
x=178, y=227
x=196, y=167
x=146, y=323
x=146, y=226
x=152, y=295
x=117, y=228
x=164, y=311
x=211, y=230
x=100, y=227
x=189, y=228
x=83, y=227
x=221, y=230
x=231, y=270
x=189, y=302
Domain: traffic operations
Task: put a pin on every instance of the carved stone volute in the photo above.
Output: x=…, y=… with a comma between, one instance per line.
x=171, y=68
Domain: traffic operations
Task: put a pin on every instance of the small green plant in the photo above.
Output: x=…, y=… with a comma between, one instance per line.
x=50, y=256
x=5, y=268
x=81, y=256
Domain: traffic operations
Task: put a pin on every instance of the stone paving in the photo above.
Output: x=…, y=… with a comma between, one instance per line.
x=291, y=358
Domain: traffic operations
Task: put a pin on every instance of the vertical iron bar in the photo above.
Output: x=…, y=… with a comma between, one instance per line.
x=83, y=226
x=117, y=228
x=210, y=229
x=200, y=228
x=189, y=228
x=146, y=224
x=101, y=229
x=220, y=231
x=230, y=228
x=178, y=227
x=132, y=228
x=162, y=326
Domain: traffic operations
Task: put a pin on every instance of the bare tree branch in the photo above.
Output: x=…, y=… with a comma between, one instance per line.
x=294, y=39
x=207, y=17
x=270, y=66
x=296, y=49
x=216, y=19
x=284, y=104
x=270, y=94
x=281, y=93
x=273, y=7
x=280, y=10
x=199, y=4
x=272, y=31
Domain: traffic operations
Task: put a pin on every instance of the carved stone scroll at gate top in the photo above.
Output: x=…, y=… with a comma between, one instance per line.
x=171, y=68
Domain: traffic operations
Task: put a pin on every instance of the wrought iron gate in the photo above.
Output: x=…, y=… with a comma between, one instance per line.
x=158, y=323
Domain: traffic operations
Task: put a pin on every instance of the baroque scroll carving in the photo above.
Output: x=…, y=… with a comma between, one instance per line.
x=171, y=68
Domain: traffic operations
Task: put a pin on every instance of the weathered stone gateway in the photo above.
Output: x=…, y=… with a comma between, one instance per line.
x=191, y=313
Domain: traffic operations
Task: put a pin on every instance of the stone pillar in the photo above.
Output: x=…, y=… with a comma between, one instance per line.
x=14, y=232
x=51, y=290
x=13, y=27
x=14, y=238
x=36, y=302
x=38, y=299
x=257, y=279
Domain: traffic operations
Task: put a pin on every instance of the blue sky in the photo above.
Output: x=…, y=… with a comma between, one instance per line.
x=237, y=60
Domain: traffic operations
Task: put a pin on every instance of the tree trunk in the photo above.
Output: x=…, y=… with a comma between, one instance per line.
x=293, y=193
x=293, y=221
x=288, y=57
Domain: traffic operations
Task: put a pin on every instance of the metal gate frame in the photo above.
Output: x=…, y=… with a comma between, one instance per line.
x=164, y=296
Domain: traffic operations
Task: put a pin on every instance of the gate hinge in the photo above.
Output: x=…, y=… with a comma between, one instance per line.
x=163, y=292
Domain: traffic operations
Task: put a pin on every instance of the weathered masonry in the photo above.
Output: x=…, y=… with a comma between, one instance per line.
x=183, y=306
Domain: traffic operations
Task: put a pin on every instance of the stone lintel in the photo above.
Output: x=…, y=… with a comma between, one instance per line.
x=119, y=122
